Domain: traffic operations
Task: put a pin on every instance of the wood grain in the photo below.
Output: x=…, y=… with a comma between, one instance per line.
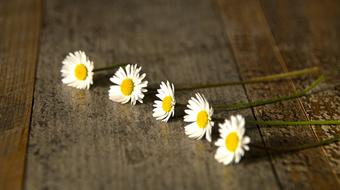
x=314, y=30
x=19, y=34
x=256, y=54
x=82, y=140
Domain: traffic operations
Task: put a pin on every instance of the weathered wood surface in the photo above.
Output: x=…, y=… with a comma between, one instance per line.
x=82, y=140
x=256, y=54
x=19, y=35
x=314, y=27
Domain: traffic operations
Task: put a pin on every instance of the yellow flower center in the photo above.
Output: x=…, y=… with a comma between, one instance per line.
x=80, y=72
x=202, y=119
x=231, y=142
x=167, y=103
x=127, y=86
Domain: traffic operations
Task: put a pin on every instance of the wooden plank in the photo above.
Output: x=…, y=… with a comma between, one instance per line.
x=256, y=54
x=19, y=34
x=312, y=41
x=82, y=140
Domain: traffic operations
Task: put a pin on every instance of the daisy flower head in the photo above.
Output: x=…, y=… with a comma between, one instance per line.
x=198, y=115
x=77, y=70
x=165, y=107
x=128, y=85
x=233, y=143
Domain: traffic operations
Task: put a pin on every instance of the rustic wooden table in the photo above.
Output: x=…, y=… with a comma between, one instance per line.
x=56, y=137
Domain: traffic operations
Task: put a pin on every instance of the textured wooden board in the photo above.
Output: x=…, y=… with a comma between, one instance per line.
x=256, y=54
x=19, y=34
x=312, y=41
x=82, y=140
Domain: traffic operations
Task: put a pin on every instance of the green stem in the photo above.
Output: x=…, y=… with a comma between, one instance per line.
x=109, y=67
x=287, y=75
x=300, y=147
x=285, y=123
x=244, y=105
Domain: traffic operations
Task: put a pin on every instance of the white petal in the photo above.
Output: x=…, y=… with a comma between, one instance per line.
x=246, y=140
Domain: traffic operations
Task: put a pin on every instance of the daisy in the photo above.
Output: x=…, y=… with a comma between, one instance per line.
x=199, y=116
x=233, y=142
x=128, y=85
x=77, y=70
x=165, y=107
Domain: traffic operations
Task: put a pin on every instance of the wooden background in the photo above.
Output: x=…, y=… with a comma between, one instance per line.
x=56, y=137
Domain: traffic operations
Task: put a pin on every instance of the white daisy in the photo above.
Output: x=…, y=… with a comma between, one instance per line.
x=129, y=85
x=233, y=142
x=165, y=107
x=199, y=116
x=77, y=70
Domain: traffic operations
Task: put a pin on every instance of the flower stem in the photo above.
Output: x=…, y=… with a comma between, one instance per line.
x=109, y=67
x=300, y=147
x=287, y=75
x=244, y=105
x=285, y=123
